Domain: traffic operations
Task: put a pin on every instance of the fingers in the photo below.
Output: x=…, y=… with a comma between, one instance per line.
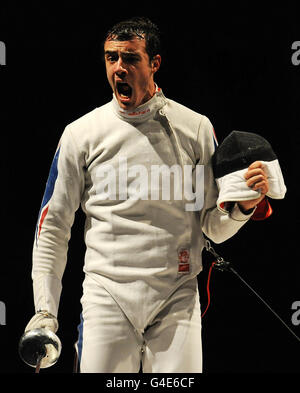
x=262, y=186
x=256, y=177
x=256, y=164
x=255, y=169
x=41, y=321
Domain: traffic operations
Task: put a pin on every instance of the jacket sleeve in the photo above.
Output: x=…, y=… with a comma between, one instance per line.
x=61, y=199
x=217, y=225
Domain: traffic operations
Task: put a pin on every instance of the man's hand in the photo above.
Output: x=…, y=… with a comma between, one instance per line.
x=256, y=178
x=42, y=319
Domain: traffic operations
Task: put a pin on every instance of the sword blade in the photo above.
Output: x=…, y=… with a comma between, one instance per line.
x=38, y=363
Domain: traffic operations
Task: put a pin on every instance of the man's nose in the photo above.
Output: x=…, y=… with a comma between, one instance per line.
x=120, y=68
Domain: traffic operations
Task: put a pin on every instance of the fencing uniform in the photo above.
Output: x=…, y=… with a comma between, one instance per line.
x=143, y=247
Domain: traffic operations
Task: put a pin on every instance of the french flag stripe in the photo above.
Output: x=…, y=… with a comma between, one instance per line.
x=215, y=138
x=48, y=194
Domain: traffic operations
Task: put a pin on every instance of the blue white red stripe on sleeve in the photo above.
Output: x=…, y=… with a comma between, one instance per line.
x=214, y=138
x=47, y=195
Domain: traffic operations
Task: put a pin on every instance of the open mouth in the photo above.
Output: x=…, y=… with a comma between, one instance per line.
x=124, y=90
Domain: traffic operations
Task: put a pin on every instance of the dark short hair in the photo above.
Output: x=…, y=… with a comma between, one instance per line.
x=140, y=27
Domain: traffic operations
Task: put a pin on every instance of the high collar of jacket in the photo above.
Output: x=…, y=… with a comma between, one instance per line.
x=142, y=112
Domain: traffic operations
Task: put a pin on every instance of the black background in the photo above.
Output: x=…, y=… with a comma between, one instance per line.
x=231, y=63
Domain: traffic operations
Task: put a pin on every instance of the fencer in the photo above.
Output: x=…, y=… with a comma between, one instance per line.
x=140, y=302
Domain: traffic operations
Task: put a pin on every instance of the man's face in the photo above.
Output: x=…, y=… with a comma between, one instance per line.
x=129, y=72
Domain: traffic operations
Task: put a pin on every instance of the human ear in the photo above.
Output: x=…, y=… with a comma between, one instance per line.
x=155, y=63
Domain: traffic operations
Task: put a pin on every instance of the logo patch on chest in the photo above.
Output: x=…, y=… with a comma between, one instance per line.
x=184, y=260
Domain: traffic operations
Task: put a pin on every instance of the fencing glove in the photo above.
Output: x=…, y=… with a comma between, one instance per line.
x=42, y=319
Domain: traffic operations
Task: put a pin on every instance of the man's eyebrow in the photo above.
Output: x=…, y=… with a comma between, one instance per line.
x=126, y=53
x=110, y=52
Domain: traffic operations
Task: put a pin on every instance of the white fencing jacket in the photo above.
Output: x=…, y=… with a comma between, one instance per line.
x=140, y=245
